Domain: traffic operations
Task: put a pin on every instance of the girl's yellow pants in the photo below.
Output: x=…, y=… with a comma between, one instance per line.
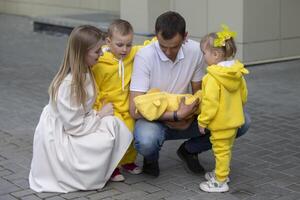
x=222, y=142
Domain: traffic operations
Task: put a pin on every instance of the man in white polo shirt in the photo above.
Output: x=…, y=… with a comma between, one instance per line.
x=172, y=64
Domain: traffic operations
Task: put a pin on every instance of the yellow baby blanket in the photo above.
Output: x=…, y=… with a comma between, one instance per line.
x=154, y=103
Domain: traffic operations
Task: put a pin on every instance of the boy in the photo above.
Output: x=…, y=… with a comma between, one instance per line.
x=112, y=75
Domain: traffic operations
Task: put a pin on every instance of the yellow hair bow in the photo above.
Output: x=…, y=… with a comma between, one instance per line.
x=223, y=35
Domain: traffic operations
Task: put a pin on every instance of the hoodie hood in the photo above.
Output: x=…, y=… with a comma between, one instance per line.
x=109, y=59
x=229, y=77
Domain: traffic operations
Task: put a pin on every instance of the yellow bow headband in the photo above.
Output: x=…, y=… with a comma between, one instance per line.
x=223, y=35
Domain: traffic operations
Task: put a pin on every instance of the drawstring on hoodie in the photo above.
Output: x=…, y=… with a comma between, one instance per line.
x=121, y=68
x=121, y=72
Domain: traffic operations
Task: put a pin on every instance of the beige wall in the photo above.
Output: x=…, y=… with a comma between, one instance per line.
x=267, y=29
x=58, y=7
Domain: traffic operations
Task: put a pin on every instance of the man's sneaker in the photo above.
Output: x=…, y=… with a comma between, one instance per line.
x=210, y=175
x=117, y=176
x=214, y=186
x=190, y=159
x=132, y=168
x=151, y=168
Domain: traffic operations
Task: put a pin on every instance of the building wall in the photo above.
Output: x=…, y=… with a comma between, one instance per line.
x=58, y=7
x=268, y=30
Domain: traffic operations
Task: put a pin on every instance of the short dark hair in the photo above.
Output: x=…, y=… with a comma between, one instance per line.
x=120, y=25
x=169, y=24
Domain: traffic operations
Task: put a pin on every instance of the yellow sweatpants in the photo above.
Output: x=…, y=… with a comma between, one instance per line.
x=131, y=153
x=222, y=142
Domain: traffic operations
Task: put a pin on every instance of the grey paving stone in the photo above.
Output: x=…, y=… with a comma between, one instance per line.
x=104, y=194
x=55, y=198
x=46, y=194
x=73, y=195
x=162, y=194
x=22, y=193
x=294, y=187
x=134, y=195
x=146, y=187
x=7, y=187
x=30, y=197
x=81, y=198
x=7, y=197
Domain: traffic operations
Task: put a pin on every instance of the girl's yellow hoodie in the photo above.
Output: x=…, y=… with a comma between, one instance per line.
x=224, y=93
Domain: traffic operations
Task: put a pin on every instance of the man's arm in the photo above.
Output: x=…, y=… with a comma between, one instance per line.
x=132, y=109
x=196, y=86
x=183, y=112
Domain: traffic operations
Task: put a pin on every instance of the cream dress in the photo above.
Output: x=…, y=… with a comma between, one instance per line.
x=73, y=149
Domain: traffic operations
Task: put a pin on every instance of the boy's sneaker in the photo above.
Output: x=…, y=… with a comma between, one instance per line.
x=214, y=186
x=132, y=168
x=210, y=175
x=117, y=176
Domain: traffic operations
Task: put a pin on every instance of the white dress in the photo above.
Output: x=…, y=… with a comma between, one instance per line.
x=73, y=149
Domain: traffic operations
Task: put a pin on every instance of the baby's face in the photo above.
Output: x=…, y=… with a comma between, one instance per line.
x=120, y=45
x=209, y=56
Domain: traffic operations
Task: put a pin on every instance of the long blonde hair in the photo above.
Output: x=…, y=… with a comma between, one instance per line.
x=81, y=39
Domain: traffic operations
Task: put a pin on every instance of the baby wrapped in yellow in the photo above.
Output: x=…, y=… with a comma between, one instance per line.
x=154, y=103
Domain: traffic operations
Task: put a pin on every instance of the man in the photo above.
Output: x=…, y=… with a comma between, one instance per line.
x=172, y=64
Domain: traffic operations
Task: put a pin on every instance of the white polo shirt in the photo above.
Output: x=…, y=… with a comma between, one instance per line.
x=153, y=69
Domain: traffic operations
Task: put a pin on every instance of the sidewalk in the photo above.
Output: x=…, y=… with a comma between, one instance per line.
x=266, y=161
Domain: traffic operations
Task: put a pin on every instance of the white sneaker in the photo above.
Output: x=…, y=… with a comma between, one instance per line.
x=214, y=186
x=210, y=175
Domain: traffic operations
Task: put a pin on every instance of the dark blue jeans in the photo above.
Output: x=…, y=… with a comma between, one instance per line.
x=150, y=136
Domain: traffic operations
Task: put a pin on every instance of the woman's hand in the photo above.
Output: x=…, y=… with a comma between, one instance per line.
x=107, y=110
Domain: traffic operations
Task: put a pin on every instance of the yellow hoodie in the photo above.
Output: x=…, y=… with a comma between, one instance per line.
x=224, y=92
x=108, y=76
x=112, y=78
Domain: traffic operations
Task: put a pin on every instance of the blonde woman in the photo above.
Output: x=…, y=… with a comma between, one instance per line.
x=76, y=147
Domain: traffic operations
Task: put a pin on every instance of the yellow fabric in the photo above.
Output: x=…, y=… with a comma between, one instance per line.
x=224, y=91
x=109, y=84
x=222, y=142
x=153, y=104
x=223, y=35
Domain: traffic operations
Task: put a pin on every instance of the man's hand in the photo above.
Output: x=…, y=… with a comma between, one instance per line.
x=185, y=111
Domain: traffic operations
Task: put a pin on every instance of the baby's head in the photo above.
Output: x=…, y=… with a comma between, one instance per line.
x=219, y=46
x=119, y=39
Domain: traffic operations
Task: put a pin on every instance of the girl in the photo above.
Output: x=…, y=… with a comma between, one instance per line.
x=75, y=147
x=224, y=94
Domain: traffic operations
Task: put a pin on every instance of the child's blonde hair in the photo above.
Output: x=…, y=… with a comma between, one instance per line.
x=81, y=40
x=228, y=50
x=121, y=26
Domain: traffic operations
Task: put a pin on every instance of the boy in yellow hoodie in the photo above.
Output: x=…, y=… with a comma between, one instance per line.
x=112, y=75
x=224, y=93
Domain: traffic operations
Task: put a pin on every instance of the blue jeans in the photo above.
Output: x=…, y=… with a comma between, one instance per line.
x=150, y=136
